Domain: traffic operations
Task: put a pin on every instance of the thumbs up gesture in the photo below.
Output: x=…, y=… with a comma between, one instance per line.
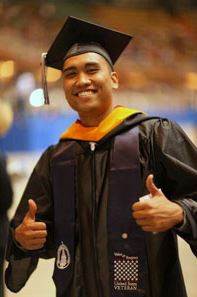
x=157, y=214
x=30, y=234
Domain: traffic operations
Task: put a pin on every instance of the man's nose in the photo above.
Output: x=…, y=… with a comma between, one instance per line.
x=82, y=79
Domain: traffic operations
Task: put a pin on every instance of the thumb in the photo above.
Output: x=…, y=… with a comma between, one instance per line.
x=151, y=187
x=32, y=210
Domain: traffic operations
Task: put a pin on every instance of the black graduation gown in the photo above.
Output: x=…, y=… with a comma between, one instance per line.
x=165, y=151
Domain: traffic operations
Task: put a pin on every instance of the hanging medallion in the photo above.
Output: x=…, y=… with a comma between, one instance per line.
x=63, y=256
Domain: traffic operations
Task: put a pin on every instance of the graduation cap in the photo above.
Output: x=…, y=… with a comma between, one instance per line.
x=77, y=37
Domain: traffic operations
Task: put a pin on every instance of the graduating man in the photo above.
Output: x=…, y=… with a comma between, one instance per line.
x=84, y=203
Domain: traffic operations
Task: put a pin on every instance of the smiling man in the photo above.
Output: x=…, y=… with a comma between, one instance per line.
x=88, y=82
x=87, y=206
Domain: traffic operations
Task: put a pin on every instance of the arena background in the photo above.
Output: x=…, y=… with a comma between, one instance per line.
x=158, y=74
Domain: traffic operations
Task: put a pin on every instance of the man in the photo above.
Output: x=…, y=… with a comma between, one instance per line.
x=81, y=204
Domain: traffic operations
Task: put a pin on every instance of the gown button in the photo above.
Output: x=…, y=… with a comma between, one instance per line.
x=124, y=235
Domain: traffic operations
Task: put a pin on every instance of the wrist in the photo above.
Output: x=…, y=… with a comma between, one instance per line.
x=180, y=215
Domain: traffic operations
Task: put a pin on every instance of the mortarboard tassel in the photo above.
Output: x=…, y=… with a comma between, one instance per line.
x=44, y=79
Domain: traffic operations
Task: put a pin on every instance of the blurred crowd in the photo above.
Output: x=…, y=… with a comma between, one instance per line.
x=159, y=64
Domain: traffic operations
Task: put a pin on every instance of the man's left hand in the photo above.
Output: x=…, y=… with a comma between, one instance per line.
x=157, y=214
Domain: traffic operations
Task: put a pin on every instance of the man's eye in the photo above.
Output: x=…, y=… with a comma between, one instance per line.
x=69, y=74
x=92, y=70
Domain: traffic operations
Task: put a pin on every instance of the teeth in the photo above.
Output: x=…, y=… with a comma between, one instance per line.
x=85, y=93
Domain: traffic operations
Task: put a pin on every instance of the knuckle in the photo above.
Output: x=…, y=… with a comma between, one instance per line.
x=134, y=214
x=138, y=222
x=26, y=234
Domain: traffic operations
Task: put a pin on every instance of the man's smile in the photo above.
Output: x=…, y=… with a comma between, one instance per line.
x=85, y=93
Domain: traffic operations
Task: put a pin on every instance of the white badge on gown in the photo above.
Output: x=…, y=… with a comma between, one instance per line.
x=63, y=256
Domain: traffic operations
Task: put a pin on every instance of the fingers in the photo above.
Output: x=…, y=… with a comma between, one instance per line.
x=145, y=225
x=30, y=218
x=157, y=214
x=140, y=206
x=151, y=187
x=35, y=247
x=31, y=234
x=29, y=238
x=31, y=214
x=33, y=244
x=38, y=226
x=140, y=213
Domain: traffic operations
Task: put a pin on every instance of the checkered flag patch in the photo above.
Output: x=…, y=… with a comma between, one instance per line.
x=125, y=272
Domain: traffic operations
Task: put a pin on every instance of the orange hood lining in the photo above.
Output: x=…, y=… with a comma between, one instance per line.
x=78, y=131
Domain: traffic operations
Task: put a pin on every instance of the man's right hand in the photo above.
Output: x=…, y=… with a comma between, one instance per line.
x=30, y=234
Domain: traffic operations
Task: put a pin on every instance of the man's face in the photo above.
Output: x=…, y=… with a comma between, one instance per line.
x=88, y=82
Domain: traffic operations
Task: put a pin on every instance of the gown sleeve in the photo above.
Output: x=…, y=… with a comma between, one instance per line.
x=173, y=161
x=23, y=262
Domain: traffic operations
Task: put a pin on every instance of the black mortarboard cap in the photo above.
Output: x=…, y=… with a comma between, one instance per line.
x=78, y=36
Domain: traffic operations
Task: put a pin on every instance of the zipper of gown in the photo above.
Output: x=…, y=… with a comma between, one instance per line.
x=94, y=225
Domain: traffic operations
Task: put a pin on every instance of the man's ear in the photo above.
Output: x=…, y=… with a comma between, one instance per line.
x=114, y=78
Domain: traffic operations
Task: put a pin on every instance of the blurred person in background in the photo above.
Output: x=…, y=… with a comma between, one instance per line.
x=81, y=204
x=6, y=117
